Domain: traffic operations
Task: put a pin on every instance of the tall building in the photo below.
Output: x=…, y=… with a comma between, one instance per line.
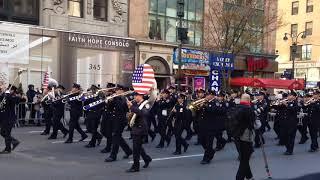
x=84, y=41
x=300, y=16
x=154, y=23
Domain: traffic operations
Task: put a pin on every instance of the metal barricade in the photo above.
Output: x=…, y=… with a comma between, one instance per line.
x=29, y=113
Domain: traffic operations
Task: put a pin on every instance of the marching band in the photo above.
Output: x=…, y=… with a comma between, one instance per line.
x=202, y=114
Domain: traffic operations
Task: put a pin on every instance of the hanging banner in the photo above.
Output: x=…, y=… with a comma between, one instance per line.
x=215, y=80
x=192, y=59
x=221, y=61
x=14, y=44
x=199, y=83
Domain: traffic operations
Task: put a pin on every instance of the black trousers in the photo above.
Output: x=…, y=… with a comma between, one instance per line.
x=303, y=129
x=138, y=151
x=48, y=123
x=179, y=140
x=289, y=135
x=106, y=129
x=162, y=127
x=93, y=120
x=314, y=136
x=57, y=125
x=276, y=127
x=245, y=150
x=258, y=138
x=5, y=132
x=206, y=141
x=118, y=141
x=74, y=124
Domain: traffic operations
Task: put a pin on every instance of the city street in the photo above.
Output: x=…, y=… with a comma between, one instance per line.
x=38, y=158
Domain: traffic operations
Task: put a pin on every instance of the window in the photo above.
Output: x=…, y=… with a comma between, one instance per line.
x=100, y=9
x=309, y=6
x=302, y=52
x=309, y=28
x=75, y=8
x=1, y=3
x=294, y=30
x=24, y=7
x=163, y=21
x=306, y=52
x=295, y=8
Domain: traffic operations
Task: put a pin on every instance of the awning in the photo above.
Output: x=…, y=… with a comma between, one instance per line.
x=268, y=83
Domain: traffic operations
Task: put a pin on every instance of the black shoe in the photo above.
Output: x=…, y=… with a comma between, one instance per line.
x=146, y=164
x=127, y=156
x=99, y=141
x=197, y=143
x=38, y=124
x=257, y=145
x=44, y=133
x=229, y=140
x=68, y=141
x=303, y=140
x=6, y=151
x=83, y=138
x=288, y=153
x=188, y=137
x=15, y=145
x=312, y=150
x=132, y=170
x=52, y=137
x=185, y=148
x=204, y=162
x=65, y=134
x=110, y=159
x=160, y=146
x=105, y=150
x=90, y=146
x=176, y=153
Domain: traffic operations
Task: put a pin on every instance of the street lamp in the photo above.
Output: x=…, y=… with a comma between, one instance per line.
x=294, y=40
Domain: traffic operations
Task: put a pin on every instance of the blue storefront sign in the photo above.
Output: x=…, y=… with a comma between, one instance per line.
x=219, y=63
x=192, y=59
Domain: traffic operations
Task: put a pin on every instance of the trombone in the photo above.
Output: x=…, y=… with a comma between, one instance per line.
x=109, y=98
x=310, y=101
x=91, y=95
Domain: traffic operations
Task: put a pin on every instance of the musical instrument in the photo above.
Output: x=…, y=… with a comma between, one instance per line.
x=4, y=100
x=96, y=103
x=254, y=101
x=91, y=95
x=67, y=99
x=279, y=102
x=197, y=105
x=310, y=101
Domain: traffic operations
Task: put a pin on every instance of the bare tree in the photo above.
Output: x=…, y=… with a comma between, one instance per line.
x=239, y=26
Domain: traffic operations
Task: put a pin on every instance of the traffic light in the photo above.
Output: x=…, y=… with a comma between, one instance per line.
x=183, y=35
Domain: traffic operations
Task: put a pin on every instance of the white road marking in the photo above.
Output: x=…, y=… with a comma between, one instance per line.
x=34, y=132
x=173, y=157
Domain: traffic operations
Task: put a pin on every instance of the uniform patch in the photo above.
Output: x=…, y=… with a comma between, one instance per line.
x=147, y=106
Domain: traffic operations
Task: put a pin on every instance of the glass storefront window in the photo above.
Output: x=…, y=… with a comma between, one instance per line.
x=163, y=20
x=171, y=32
x=162, y=7
x=24, y=7
x=172, y=8
x=1, y=3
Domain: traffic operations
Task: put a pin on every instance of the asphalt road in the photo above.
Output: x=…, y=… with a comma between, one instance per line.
x=38, y=158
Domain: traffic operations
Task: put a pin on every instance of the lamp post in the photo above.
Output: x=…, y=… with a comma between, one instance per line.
x=180, y=14
x=294, y=40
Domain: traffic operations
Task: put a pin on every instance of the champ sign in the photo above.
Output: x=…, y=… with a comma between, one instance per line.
x=218, y=63
x=14, y=44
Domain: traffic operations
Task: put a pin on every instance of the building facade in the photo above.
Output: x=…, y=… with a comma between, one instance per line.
x=300, y=16
x=83, y=41
x=153, y=23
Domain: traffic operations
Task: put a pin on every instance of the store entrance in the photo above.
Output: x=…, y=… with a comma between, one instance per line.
x=162, y=82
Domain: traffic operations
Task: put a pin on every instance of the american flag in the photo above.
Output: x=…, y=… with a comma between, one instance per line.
x=143, y=79
x=45, y=80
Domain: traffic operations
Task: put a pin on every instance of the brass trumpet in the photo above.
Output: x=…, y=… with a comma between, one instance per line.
x=197, y=105
x=278, y=102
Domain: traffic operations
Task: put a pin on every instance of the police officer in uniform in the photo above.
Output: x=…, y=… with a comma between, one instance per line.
x=139, y=130
x=290, y=122
x=47, y=112
x=164, y=104
x=314, y=124
x=75, y=114
x=180, y=111
x=303, y=128
x=93, y=116
x=106, y=122
x=119, y=122
x=58, y=113
x=200, y=95
x=8, y=118
x=260, y=109
x=220, y=117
